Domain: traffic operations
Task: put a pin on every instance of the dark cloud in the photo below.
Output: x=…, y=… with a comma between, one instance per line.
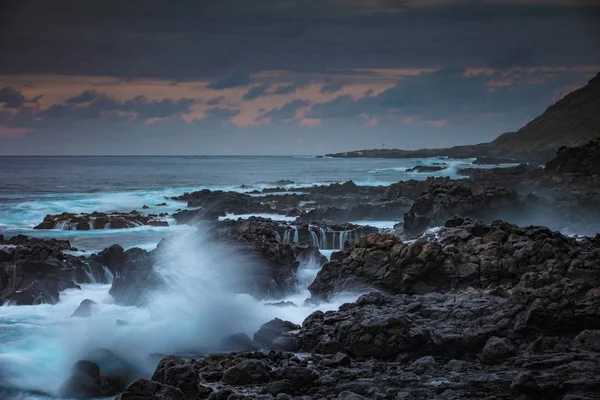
x=331, y=87
x=451, y=93
x=11, y=97
x=222, y=112
x=217, y=117
x=286, y=111
x=84, y=97
x=215, y=100
x=287, y=89
x=235, y=78
x=93, y=105
x=201, y=39
x=256, y=91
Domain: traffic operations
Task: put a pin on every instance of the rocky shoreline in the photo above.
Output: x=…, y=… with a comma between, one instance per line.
x=482, y=307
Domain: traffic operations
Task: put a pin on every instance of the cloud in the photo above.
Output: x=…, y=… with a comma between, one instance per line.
x=84, y=97
x=256, y=91
x=201, y=39
x=331, y=87
x=451, y=93
x=236, y=78
x=11, y=97
x=285, y=112
x=287, y=89
x=217, y=117
x=215, y=100
x=92, y=105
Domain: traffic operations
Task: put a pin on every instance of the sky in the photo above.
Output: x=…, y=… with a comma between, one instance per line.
x=282, y=77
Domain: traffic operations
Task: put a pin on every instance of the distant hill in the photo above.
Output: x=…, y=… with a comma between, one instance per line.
x=571, y=121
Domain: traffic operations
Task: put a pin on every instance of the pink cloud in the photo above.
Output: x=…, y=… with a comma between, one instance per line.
x=371, y=121
x=13, y=133
x=310, y=122
x=408, y=120
x=438, y=123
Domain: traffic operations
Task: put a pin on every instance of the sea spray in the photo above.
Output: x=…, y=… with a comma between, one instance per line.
x=200, y=305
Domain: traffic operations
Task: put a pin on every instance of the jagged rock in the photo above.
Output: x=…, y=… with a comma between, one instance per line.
x=112, y=257
x=466, y=253
x=144, y=389
x=98, y=220
x=85, y=382
x=441, y=202
x=274, y=329
x=176, y=372
x=85, y=309
x=34, y=271
x=238, y=342
x=588, y=340
x=249, y=372
x=492, y=161
x=582, y=160
x=426, y=168
x=496, y=350
x=136, y=278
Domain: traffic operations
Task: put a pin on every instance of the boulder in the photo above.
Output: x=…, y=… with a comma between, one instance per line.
x=136, y=278
x=238, y=342
x=144, y=389
x=497, y=350
x=588, y=340
x=85, y=382
x=174, y=371
x=85, y=309
x=274, y=329
x=249, y=372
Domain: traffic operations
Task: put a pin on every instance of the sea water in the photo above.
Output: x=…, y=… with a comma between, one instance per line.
x=39, y=344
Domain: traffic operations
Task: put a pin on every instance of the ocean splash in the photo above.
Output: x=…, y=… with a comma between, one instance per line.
x=199, y=306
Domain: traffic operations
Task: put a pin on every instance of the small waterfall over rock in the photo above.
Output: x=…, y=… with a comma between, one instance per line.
x=323, y=239
x=314, y=239
x=287, y=236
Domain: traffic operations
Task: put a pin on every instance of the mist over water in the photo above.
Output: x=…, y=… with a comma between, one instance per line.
x=200, y=305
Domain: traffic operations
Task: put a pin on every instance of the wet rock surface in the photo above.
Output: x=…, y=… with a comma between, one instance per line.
x=98, y=220
x=34, y=271
x=463, y=254
x=442, y=202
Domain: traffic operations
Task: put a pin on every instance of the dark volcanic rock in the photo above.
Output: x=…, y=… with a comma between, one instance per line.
x=112, y=257
x=257, y=238
x=239, y=342
x=497, y=349
x=465, y=253
x=85, y=309
x=249, y=372
x=221, y=202
x=144, y=389
x=137, y=278
x=98, y=220
x=426, y=168
x=34, y=271
x=85, y=382
x=442, y=202
x=582, y=160
x=493, y=161
x=176, y=372
x=273, y=330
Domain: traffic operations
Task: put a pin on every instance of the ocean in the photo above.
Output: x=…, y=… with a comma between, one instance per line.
x=31, y=187
x=39, y=344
